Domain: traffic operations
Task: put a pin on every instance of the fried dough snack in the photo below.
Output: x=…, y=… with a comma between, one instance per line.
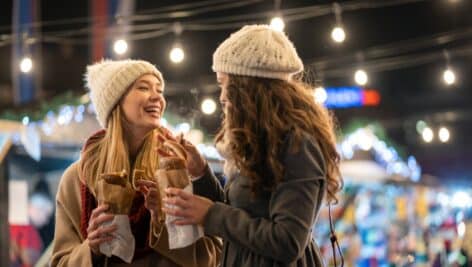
x=115, y=190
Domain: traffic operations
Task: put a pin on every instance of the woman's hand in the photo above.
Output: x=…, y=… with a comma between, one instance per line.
x=96, y=233
x=195, y=162
x=151, y=197
x=191, y=208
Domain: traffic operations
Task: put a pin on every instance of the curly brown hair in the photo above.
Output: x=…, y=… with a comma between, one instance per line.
x=262, y=113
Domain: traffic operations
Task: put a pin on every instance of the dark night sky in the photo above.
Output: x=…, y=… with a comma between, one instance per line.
x=408, y=93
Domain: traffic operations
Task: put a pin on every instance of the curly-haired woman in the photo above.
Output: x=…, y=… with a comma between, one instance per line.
x=281, y=159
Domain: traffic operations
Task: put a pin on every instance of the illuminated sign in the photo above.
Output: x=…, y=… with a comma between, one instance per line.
x=351, y=96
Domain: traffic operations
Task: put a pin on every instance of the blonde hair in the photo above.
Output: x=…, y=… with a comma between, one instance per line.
x=110, y=153
x=262, y=112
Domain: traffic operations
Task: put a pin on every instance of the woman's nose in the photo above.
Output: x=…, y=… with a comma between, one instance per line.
x=155, y=94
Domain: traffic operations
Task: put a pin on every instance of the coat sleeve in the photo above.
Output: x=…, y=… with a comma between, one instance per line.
x=69, y=248
x=208, y=186
x=293, y=207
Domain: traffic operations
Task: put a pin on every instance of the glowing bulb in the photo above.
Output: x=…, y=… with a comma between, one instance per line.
x=420, y=125
x=361, y=77
x=120, y=46
x=277, y=23
x=177, y=54
x=25, y=120
x=427, y=135
x=26, y=65
x=208, y=106
x=320, y=95
x=338, y=34
x=444, y=134
x=449, y=77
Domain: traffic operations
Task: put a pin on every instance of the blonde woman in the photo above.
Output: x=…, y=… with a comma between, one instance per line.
x=280, y=153
x=129, y=102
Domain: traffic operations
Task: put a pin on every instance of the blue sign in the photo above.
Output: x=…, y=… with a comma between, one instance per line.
x=344, y=97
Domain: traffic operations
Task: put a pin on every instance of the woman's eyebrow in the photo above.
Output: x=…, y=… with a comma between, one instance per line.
x=148, y=82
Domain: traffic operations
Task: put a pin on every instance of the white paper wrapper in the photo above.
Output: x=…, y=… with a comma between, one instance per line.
x=182, y=235
x=123, y=244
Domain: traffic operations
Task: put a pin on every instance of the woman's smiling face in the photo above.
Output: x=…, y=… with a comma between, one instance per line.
x=144, y=103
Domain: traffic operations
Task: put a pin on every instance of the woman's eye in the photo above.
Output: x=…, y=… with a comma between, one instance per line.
x=142, y=88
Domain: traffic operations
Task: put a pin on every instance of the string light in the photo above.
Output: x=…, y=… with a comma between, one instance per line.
x=277, y=23
x=449, y=77
x=177, y=54
x=420, y=125
x=208, y=106
x=26, y=65
x=444, y=134
x=361, y=77
x=427, y=135
x=338, y=34
x=120, y=46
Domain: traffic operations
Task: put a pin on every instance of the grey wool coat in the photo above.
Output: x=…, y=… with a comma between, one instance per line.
x=272, y=229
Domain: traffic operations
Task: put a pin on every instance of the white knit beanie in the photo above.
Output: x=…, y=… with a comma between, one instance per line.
x=257, y=50
x=108, y=81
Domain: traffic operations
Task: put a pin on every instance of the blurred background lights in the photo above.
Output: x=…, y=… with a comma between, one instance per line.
x=320, y=95
x=120, y=46
x=26, y=65
x=208, y=106
x=338, y=34
x=449, y=77
x=461, y=199
x=427, y=135
x=461, y=229
x=25, y=120
x=444, y=134
x=361, y=77
x=177, y=54
x=183, y=127
x=277, y=23
x=420, y=125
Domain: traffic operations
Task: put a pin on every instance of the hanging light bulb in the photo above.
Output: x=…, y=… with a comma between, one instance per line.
x=176, y=54
x=277, y=23
x=338, y=34
x=427, y=135
x=120, y=46
x=26, y=65
x=444, y=134
x=420, y=125
x=361, y=77
x=449, y=77
x=208, y=106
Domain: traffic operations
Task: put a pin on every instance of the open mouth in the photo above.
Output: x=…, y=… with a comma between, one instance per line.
x=153, y=111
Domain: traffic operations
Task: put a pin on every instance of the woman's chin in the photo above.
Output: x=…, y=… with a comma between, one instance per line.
x=155, y=124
